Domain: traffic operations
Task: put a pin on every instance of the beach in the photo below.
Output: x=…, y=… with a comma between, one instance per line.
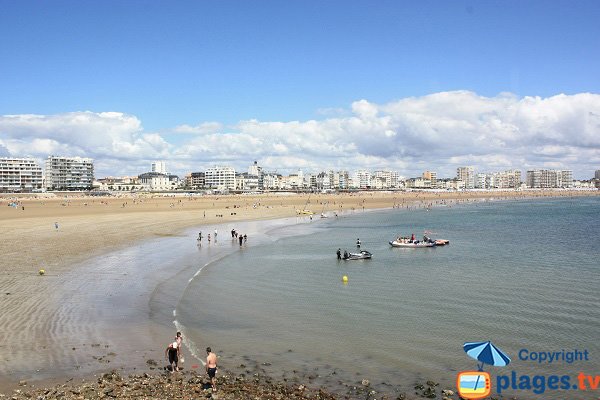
x=52, y=316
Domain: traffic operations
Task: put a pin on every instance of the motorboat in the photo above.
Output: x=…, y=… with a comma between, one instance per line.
x=414, y=245
x=363, y=255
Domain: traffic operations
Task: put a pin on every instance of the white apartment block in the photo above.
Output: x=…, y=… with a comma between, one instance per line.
x=362, y=179
x=20, y=175
x=220, y=177
x=548, y=178
x=69, y=173
x=467, y=175
x=160, y=167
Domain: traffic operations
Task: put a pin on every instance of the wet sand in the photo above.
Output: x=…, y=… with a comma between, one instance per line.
x=80, y=319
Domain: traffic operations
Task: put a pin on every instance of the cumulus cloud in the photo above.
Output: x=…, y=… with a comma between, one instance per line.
x=440, y=132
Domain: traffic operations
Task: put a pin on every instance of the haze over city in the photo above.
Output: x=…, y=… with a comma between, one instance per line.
x=303, y=85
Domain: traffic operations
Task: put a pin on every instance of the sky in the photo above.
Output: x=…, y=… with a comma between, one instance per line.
x=313, y=85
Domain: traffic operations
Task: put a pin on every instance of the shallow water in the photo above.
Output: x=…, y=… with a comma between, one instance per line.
x=523, y=274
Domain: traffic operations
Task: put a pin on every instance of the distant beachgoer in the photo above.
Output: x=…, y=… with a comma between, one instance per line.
x=209, y=238
x=233, y=233
x=211, y=368
x=215, y=235
x=241, y=239
x=56, y=225
x=245, y=238
x=204, y=214
x=172, y=354
x=339, y=254
x=200, y=236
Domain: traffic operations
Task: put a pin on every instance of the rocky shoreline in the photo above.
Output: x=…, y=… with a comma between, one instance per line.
x=193, y=385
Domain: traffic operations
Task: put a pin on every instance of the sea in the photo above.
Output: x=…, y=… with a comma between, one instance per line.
x=523, y=274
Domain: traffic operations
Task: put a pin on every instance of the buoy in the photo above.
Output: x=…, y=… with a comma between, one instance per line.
x=42, y=272
x=345, y=279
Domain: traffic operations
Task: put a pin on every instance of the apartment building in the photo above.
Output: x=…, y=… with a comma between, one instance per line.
x=549, y=178
x=20, y=175
x=220, y=177
x=467, y=175
x=69, y=173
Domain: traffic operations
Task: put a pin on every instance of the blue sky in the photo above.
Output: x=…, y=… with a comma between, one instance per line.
x=174, y=63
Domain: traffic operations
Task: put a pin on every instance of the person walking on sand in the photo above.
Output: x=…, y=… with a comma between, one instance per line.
x=179, y=340
x=172, y=354
x=211, y=367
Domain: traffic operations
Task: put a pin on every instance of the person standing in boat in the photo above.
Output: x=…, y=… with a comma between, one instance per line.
x=358, y=243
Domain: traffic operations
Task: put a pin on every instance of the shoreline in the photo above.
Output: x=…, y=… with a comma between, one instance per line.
x=38, y=296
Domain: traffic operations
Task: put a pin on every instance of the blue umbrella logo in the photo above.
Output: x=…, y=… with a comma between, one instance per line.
x=486, y=353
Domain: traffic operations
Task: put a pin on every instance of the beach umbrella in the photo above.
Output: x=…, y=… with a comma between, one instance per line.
x=486, y=353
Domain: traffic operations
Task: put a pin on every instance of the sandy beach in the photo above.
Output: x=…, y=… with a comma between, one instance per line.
x=58, y=234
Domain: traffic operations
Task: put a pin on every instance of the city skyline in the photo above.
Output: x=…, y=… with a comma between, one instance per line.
x=310, y=85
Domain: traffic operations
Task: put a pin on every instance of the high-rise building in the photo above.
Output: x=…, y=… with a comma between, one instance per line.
x=159, y=167
x=597, y=174
x=220, y=177
x=549, y=178
x=432, y=177
x=467, y=175
x=69, y=173
x=20, y=175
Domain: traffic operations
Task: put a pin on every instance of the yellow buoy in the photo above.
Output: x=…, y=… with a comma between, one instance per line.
x=42, y=272
x=345, y=279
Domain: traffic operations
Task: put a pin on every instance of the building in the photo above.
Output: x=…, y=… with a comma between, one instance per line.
x=597, y=174
x=69, y=173
x=196, y=180
x=20, y=175
x=158, y=182
x=159, y=167
x=256, y=170
x=431, y=177
x=362, y=179
x=220, y=177
x=246, y=182
x=549, y=178
x=467, y=175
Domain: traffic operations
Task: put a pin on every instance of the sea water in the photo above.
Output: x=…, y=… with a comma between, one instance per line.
x=523, y=274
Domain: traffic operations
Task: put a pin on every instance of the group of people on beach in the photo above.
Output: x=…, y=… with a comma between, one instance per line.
x=174, y=355
x=234, y=236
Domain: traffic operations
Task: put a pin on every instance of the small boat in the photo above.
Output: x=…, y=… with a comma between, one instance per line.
x=363, y=255
x=441, y=242
x=415, y=245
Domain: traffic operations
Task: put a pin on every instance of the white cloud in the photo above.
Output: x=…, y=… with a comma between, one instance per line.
x=440, y=132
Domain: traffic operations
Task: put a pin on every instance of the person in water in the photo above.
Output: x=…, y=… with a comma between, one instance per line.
x=339, y=254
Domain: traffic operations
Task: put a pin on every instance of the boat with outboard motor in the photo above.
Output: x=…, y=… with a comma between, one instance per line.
x=363, y=255
x=416, y=244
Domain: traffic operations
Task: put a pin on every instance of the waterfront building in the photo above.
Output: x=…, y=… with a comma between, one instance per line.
x=272, y=181
x=196, y=180
x=69, y=173
x=549, y=178
x=432, y=177
x=220, y=177
x=467, y=175
x=597, y=174
x=158, y=182
x=257, y=171
x=246, y=182
x=159, y=167
x=20, y=175
x=362, y=179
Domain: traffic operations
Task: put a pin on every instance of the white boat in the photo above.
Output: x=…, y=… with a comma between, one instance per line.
x=414, y=245
x=363, y=255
